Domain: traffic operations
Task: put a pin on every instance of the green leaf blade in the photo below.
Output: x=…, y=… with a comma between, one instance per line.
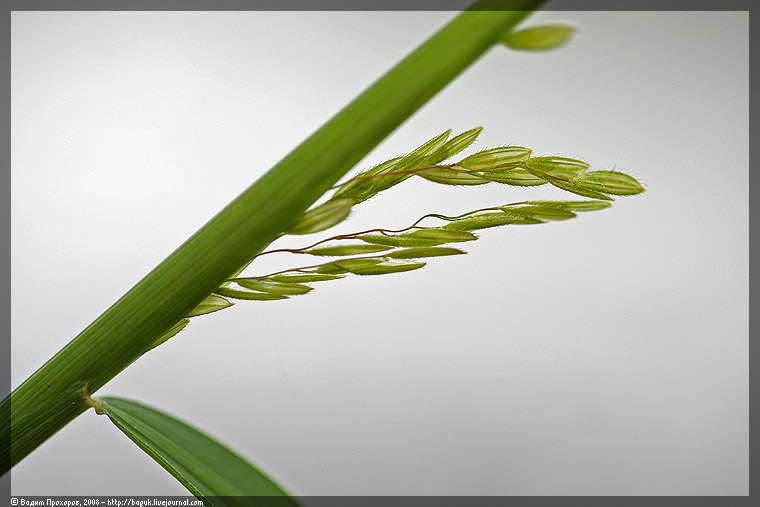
x=272, y=287
x=518, y=177
x=539, y=212
x=433, y=251
x=248, y=294
x=346, y=265
x=484, y=221
x=176, y=328
x=322, y=217
x=451, y=177
x=209, y=305
x=557, y=165
x=445, y=236
x=362, y=186
x=341, y=250
x=573, y=205
x=539, y=38
x=572, y=186
x=203, y=465
x=458, y=143
x=610, y=182
x=387, y=267
x=431, y=152
x=303, y=277
x=487, y=159
x=401, y=240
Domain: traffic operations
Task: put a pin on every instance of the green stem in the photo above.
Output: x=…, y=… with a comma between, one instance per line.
x=50, y=398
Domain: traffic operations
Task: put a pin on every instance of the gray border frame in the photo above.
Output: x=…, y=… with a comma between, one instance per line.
x=5, y=230
x=325, y=5
x=370, y=5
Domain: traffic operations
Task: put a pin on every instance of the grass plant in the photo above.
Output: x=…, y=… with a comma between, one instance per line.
x=202, y=276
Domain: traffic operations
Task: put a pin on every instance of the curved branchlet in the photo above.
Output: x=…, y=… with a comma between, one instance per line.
x=385, y=251
x=510, y=165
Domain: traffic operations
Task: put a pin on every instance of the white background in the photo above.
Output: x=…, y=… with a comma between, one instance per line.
x=602, y=355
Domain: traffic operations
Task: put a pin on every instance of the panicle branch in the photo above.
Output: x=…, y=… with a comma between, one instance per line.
x=384, y=251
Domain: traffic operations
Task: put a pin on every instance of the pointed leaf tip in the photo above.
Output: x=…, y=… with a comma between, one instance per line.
x=175, y=329
x=304, y=276
x=518, y=176
x=212, y=303
x=387, y=267
x=443, y=235
x=491, y=159
x=451, y=176
x=433, y=251
x=458, y=143
x=340, y=250
x=559, y=165
x=400, y=240
x=540, y=212
x=203, y=465
x=429, y=153
x=248, y=294
x=273, y=287
x=610, y=182
x=483, y=221
x=573, y=205
x=323, y=216
x=346, y=265
x=539, y=38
